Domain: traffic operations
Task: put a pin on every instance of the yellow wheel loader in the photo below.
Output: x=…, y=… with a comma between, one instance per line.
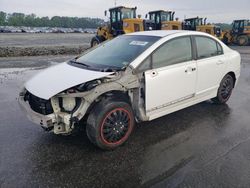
x=199, y=24
x=122, y=20
x=164, y=20
x=240, y=33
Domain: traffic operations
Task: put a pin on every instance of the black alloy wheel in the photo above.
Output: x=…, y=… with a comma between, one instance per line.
x=225, y=90
x=110, y=123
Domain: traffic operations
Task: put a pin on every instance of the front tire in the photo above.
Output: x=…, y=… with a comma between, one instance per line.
x=225, y=40
x=110, y=123
x=95, y=41
x=225, y=90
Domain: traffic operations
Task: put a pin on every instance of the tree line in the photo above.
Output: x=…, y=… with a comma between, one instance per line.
x=31, y=20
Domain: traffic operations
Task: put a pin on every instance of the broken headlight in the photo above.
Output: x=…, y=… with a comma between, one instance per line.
x=83, y=87
x=88, y=85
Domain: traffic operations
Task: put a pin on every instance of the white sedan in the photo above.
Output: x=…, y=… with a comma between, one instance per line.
x=132, y=78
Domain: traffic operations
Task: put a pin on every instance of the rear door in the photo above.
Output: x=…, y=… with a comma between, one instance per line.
x=211, y=64
x=173, y=77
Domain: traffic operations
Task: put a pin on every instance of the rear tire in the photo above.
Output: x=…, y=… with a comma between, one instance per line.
x=110, y=123
x=242, y=40
x=225, y=90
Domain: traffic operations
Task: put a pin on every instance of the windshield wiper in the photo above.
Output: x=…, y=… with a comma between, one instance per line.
x=79, y=63
x=107, y=70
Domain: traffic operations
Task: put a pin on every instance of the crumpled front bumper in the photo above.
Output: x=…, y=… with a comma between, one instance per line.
x=46, y=121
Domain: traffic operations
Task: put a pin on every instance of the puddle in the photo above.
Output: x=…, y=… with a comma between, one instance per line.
x=7, y=74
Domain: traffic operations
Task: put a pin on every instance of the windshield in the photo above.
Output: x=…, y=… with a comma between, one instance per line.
x=127, y=13
x=246, y=23
x=165, y=16
x=155, y=17
x=117, y=53
x=238, y=24
x=193, y=22
x=235, y=25
x=198, y=21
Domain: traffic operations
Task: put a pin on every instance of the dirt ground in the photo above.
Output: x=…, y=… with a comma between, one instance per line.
x=26, y=44
x=40, y=44
x=43, y=39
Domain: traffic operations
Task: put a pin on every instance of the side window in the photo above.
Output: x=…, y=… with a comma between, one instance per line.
x=118, y=16
x=152, y=17
x=113, y=16
x=145, y=65
x=220, y=50
x=241, y=24
x=206, y=47
x=157, y=18
x=175, y=51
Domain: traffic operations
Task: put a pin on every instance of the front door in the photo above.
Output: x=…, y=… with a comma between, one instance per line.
x=173, y=77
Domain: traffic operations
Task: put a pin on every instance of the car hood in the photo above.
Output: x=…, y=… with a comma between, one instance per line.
x=58, y=78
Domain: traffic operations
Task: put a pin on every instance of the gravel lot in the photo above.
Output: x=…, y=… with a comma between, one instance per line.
x=26, y=44
x=38, y=44
x=205, y=145
x=43, y=39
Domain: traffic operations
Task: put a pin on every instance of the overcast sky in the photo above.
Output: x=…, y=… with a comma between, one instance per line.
x=214, y=10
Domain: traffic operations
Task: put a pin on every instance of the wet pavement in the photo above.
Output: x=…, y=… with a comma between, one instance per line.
x=32, y=61
x=205, y=145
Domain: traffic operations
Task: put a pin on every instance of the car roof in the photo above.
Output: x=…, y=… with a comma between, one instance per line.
x=164, y=33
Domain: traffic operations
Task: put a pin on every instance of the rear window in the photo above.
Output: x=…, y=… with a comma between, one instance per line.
x=207, y=47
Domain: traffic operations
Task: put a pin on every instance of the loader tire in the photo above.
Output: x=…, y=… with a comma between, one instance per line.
x=96, y=41
x=242, y=40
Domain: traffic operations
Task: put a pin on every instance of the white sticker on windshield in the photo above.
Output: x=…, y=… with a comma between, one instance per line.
x=138, y=43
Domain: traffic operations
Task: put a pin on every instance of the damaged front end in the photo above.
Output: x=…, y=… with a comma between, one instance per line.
x=62, y=112
x=57, y=114
x=38, y=110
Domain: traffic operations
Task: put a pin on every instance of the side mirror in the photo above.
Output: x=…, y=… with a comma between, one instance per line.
x=105, y=13
x=146, y=16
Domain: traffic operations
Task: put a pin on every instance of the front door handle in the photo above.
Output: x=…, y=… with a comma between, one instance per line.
x=220, y=62
x=190, y=69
